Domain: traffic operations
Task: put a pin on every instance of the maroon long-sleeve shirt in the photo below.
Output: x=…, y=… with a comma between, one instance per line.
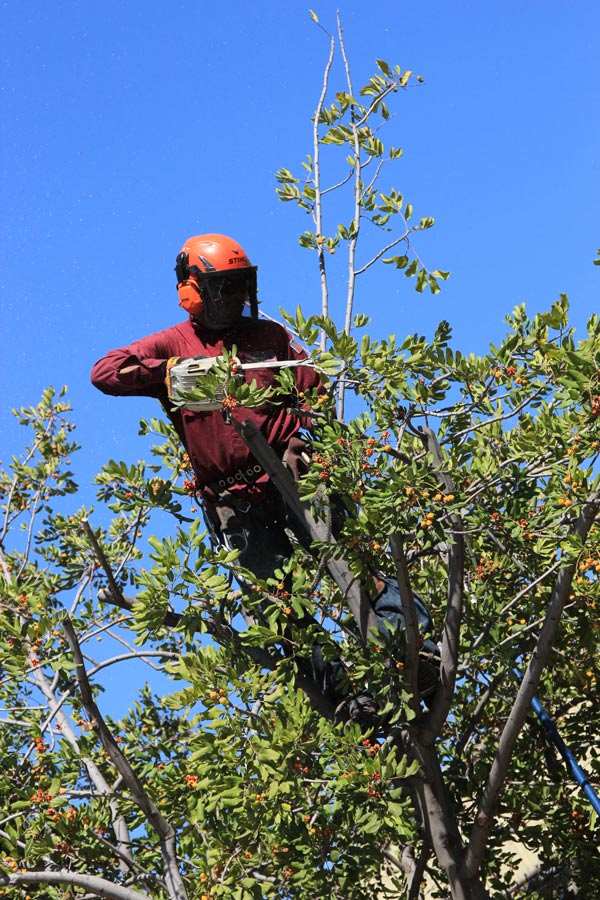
x=214, y=447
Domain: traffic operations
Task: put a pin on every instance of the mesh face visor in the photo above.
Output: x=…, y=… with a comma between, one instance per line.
x=229, y=298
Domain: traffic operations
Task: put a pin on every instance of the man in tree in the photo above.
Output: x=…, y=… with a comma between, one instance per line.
x=217, y=286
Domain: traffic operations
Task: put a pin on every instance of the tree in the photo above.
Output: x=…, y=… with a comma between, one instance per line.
x=471, y=479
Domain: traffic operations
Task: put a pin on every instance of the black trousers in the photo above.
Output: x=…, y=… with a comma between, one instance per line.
x=259, y=531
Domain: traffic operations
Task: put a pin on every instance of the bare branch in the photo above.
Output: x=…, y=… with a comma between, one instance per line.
x=318, y=208
x=435, y=811
x=355, y=218
x=385, y=249
x=118, y=598
x=55, y=709
x=15, y=481
x=34, y=511
x=99, y=886
x=163, y=828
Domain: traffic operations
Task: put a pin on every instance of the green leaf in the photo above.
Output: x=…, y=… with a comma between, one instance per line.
x=422, y=280
x=434, y=285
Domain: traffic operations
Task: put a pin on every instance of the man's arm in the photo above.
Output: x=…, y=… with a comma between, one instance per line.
x=139, y=368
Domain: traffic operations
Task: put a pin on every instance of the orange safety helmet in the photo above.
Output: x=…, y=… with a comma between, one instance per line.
x=213, y=274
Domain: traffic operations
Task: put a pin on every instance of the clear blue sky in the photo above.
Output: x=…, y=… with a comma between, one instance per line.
x=126, y=126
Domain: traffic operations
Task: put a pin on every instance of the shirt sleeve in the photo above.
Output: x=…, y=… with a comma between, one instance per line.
x=139, y=368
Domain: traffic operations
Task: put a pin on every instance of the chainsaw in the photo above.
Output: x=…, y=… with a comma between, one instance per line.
x=184, y=375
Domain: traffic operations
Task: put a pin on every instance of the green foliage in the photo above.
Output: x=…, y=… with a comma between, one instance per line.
x=267, y=797
x=473, y=478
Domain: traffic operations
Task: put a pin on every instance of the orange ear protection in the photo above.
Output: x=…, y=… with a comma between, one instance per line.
x=190, y=297
x=187, y=286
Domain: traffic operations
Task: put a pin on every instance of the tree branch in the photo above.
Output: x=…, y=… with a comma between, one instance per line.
x=411, y=625
x=383, y=250
x=353, y=239
x=489, y=799
x=434, y=808
x=442, y=699
x=55, y=706
x=164, y=830
x=318, y=210
x=114, y=594
x=100, y=886
x=171, y=619
x=409, y=866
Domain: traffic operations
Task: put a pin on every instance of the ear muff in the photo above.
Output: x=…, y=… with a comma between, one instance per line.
x=190, y=297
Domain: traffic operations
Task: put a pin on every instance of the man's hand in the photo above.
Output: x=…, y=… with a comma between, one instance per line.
x=297, y=456
x=183, y=374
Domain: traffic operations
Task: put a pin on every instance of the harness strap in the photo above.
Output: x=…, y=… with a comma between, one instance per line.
x=248, y=476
